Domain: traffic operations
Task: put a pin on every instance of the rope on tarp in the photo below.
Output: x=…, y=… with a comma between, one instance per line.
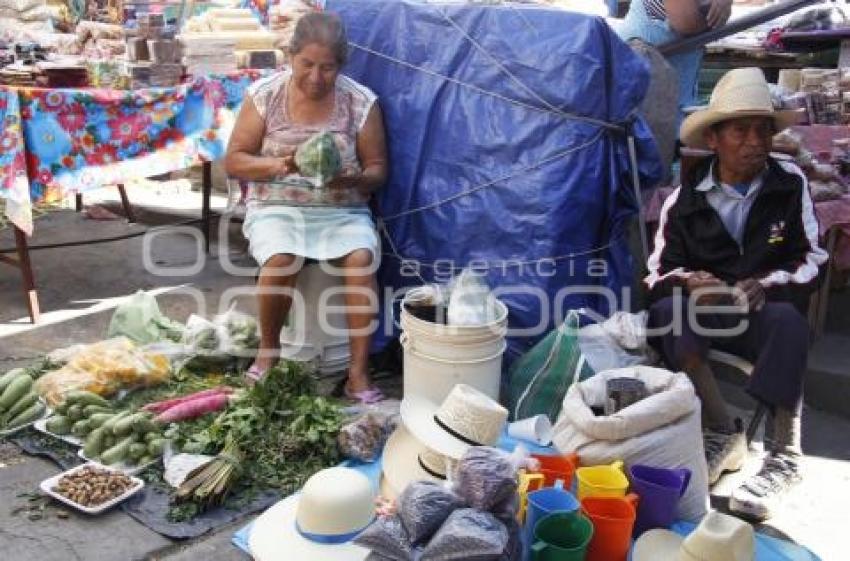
x=562, y=114
x=465, y=192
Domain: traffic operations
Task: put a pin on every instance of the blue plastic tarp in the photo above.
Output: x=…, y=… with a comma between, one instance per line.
x=486, y=169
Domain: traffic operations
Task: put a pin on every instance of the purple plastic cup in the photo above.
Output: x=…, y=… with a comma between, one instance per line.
x=660, y=490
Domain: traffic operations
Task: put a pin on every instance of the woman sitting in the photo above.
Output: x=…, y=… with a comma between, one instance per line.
x=289, y=219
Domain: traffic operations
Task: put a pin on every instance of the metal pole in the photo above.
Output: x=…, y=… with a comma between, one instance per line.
x=644, y=243
x=756, y=18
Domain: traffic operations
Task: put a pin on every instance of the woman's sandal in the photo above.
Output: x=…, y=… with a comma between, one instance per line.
x=255, y=374
x=368, y=396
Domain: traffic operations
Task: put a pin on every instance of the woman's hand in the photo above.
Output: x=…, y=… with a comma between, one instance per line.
x=286, y=163
x=718, y=13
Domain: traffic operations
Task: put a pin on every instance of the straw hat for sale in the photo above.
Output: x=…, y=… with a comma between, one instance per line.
x=335, y=505
x=742, y=92
x=719, y=537
x=407, y=460
x=467, y=417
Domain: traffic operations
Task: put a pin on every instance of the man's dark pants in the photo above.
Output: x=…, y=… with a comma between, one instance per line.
x=776, y=341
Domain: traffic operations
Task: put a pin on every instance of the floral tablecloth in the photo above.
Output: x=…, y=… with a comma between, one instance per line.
x=58, y=141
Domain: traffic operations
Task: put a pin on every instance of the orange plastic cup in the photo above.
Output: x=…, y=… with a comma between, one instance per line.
x=554, y=468
x=613, y=520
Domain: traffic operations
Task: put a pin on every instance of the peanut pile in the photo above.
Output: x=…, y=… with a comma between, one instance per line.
x=93, y=486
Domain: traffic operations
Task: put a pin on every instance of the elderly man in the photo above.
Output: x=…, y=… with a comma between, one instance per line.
x=735, y=258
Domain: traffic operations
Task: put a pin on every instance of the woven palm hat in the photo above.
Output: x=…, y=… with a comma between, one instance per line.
x=719, y=537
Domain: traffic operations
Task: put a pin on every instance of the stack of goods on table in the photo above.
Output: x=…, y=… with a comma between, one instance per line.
x=822, y=94
x=827, y=172
x=19, y=16
x=98, y=40
x=153, y=54
x=283, y=17
x=63, y=73
x=224, y=39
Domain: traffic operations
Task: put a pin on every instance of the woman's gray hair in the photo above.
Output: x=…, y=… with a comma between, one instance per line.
x=322, y=28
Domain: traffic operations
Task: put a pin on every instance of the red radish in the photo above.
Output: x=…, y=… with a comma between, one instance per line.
x=160, y=406
x=194, y=408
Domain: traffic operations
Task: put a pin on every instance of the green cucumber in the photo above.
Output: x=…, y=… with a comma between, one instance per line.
x=137, y=450
x=16, y=389
x=81, y=428
x=35, y=411
x=90, y=410
x=110, y=424
x=151, y=436
x=7, y=378
x=80, y=397
x=145, y=425
x=117, y=453
x=62, y=408
x=95, y=443
x=98, y=419
x=75, y=412
x=144, y=460
x=108, y=439
x=21, y=405
x=155, y=447
x=59, y=424
x=125, y=426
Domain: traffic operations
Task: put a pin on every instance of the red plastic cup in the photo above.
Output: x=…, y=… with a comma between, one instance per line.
x=557, y=467
x=613, y=520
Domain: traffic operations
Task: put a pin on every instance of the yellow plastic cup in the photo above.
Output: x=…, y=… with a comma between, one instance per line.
x=602, y=481
x=528, y=482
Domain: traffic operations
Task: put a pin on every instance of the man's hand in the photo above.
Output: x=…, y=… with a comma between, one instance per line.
x=718, y=13
x=703, y=280
x=751, y=294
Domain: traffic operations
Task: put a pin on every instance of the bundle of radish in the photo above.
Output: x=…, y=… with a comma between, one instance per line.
x=19, y=404
x=192, y=406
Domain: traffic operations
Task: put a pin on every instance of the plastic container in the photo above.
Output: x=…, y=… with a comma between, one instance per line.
x=555, y=467
x=10, y=432
x=451, y=354
x=613, y=520
x=660, y=490
x=602, y=481
x=47, y=486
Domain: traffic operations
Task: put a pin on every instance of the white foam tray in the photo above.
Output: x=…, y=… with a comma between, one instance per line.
x=48, y=484
x=41, y=426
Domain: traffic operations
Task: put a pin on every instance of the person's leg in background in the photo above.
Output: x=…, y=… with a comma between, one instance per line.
x=781, y=335
x=613, y=7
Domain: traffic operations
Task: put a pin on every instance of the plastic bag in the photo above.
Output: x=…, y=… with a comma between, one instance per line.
x=104, y=368
x=423, y=506
x=140, y=320
x=364, y=438
x=470, y=301
x=387, y=539
x=486, y=477
x=539, y=380
x=318, y=158
x=618, y=342
x=468, y=534
x=228, y=338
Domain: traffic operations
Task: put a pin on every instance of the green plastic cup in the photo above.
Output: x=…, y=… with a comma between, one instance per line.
x=562, y=536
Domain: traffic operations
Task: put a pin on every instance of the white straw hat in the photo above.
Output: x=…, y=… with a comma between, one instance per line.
x=407, y=460
x=467, y=417
x=335, y=505
x=742, y=92
x=719, y=537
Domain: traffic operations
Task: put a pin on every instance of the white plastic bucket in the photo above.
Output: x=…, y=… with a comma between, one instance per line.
x=437, y=356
